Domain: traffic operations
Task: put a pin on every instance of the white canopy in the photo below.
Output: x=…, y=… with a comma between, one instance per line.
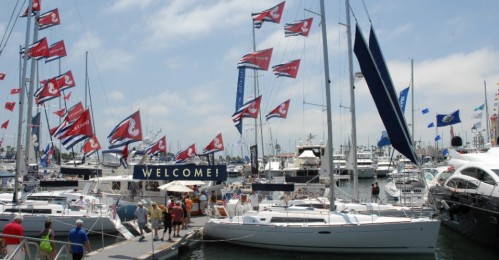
x=198, y=183
x=175, y=186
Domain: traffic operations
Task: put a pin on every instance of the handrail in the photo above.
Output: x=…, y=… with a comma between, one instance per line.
x=35, y=242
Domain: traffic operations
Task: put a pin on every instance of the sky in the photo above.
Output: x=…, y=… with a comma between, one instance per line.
x=176, y=62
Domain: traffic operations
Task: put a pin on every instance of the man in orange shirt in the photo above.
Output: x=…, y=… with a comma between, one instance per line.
x=188, y=205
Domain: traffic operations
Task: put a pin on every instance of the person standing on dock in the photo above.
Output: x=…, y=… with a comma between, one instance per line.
x=155, y=214
x=203, y=201
x=177, y=214
x=141, y=217
x=47, y=248
x=213, y=202
x=9, y=244
x=188, y=205
x=167, y=222
x=255, y=204
x=78, y=235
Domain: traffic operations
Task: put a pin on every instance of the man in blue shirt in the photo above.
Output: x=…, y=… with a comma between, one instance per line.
x=79, y=236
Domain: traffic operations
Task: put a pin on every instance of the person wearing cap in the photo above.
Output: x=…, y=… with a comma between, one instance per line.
x=78, y=235
x=155, y=214
x=9, y=244
x=141, y=218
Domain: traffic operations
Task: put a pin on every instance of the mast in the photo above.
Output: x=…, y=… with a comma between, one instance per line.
x=20, y=161
x=353, y=154
x=486, y=111
x=327, y=82
x=412, y=101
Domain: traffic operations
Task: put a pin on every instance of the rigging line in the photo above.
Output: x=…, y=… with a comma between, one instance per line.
x=93, y=57
x=12, y=28
x=367, y=12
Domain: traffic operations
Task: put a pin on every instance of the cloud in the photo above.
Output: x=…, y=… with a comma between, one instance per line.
x=120, y=6
x=116, y=95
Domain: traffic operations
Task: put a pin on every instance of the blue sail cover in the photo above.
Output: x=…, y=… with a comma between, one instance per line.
x=380, y=85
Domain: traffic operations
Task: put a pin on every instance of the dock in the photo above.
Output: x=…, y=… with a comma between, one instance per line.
x=149, y=249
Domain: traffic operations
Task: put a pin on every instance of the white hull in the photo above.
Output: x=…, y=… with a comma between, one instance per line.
x=381, y=235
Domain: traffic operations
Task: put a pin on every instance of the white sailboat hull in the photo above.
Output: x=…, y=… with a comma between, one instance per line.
x=338, y=236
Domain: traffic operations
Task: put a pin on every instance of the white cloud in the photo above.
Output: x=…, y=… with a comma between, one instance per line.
x=129, y=5
x=116, y=95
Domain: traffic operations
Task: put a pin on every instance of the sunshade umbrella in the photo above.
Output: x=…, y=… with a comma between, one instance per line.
x=198, y=183
x=175, y=186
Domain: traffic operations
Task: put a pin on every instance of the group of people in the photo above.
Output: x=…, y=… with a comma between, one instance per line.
x=77, y=239
x=175, y=215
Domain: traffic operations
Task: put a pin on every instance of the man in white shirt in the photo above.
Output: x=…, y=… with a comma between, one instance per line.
x=81, y=202
x=255, y=204
x=203, y=201
x=141, y=217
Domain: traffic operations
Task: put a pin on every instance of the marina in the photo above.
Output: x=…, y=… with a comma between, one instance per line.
x=305, y=183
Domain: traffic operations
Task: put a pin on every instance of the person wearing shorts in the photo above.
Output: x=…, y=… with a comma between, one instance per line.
x=167, y=222
x=177, y=215
x=155, y=213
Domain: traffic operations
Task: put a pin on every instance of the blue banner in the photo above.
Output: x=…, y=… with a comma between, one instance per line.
x=35, y=132
x=240, y=94
x=403, y=98
x=180, y=172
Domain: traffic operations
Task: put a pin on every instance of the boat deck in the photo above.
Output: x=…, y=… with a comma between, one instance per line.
x=149, y=249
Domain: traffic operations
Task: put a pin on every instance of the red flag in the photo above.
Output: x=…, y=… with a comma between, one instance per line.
x=48, y=91
x=80, y=126
x=157, y=147
x=273, y=15
x=56, y=51
x=289, y=69
x=186, y=154
x=15, y=91
x=10, y=106
x=52, y=130
x=39, y=49
x=2, y=76
x=34, y=8
x=66, y=97
x=5, y=124
x=124, y=157
x=60, y=112
x=301, y=27
x=216, y=145
x=65, y=81
x=127, y=131
x=250, y=109
x=49, y=19
x=280, y=111
x=451, y=132
x=91, y=145
x=259, y=60
x=74, y=112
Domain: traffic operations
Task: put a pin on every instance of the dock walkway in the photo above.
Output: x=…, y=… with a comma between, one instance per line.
x=149, y=249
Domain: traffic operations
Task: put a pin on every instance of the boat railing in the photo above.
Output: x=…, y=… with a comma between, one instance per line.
x=62, y=253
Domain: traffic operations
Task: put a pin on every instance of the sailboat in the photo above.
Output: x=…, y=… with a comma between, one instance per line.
x=318, y=230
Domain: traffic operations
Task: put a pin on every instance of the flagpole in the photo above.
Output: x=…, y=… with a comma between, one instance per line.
x=486, y=111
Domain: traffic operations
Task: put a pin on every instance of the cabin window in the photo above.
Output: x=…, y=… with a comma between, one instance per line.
x=488, y=179
x=116, y=185
x=152, y=186
x=472, y=172
x=296, y=220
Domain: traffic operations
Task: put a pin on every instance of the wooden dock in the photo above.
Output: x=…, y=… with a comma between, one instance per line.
x=149, y=249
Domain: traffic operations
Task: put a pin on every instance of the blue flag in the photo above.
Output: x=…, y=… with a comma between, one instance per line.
x=450, y=119
x=384, y=140
x=479, y=107
x=437, y=138
x=403, y=98
x=430, y=125
x=425, y=111
x=445, y=152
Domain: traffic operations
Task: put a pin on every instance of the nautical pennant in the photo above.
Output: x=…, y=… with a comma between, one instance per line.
x=34, y=8
x=5, y=124
x=216, y=145
x=39, y=49
x=281, y=111
x=10, y=106
x=186, y=154
x=2, y=76
x=258, y=60
x=249, y=110
x=126, y=132
x=48, y=91
x=157, y=147
x=289, y=69
x=56, y=51
x=48, y=19
x=91, y=146
x=449, y=119
x=65, y=80
x=272, y=15
x=301, y=27
x=15, y=91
